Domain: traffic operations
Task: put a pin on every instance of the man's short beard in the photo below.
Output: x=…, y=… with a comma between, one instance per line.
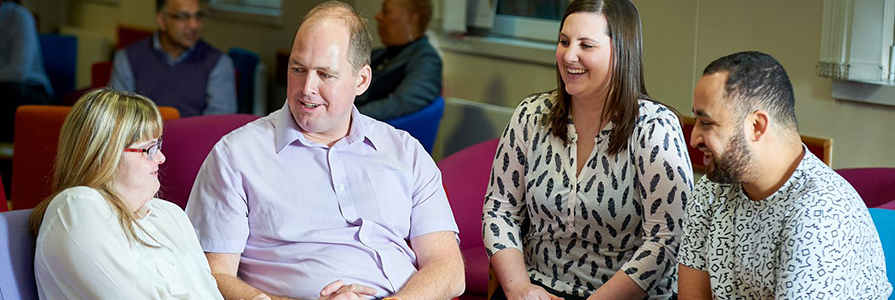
x=737, y=165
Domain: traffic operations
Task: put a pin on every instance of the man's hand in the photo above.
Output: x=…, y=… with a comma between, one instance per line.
x=338, y=290
x=531, y=292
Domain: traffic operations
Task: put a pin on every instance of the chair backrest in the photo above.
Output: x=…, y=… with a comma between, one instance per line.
x=17, y=256
x=695, y=154
x=875, y=185
x=820, y=147
x=60, y=57
x=423, y=124
x=187, y=142
x=245, y=62
x=465, y=178
x=34, y=151
x=100, y=73
x=884, y=220
x=129, y=34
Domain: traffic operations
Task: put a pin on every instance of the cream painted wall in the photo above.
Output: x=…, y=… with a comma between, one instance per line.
x=680, y=38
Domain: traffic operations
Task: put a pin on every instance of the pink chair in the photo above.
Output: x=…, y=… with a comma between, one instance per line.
x=187, y=142
x=465, y=178
x=3, y=205
x=875, y=185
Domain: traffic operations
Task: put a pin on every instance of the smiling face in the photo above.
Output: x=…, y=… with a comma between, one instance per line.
x=394, y=23
x=584, y=55
x=136, y=177
x=177, y=31
x=322, y=84
x=720, y=134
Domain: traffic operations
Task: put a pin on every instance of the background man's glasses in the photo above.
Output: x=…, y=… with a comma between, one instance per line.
x=185, y=16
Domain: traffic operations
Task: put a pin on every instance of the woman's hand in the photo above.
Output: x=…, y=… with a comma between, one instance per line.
x=530, y=292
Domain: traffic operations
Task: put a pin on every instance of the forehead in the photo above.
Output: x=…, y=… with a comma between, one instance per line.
x=585, y=24
x=708, y=96
x=182, y=5
x=320, y=40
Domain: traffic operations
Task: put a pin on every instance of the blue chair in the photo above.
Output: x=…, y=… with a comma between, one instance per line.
x=245, y=63
x=60, y=57
x=884, y=219
x=423, y=124
x=16, y=256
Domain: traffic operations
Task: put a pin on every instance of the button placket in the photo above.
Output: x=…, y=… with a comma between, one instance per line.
x=339, y=181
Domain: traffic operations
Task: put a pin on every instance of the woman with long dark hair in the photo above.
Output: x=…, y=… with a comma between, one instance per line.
x=590, y=180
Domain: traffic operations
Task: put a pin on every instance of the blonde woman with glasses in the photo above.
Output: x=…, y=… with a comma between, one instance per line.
x=102, y=234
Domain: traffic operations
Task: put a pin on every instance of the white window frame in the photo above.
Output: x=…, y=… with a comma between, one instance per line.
x=247, y=10
x=858, y=50
x=526, y=28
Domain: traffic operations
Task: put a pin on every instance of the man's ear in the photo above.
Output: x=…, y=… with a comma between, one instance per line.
x=759, y=123
x=160, y=22
x=362, y=82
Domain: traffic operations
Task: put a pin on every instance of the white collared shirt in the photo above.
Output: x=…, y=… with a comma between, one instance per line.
x=82, y=252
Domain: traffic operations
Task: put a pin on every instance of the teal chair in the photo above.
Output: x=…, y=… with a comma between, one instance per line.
x=884, y=219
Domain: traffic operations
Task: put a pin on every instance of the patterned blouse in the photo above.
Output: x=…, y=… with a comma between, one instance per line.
x=812, y=239
x=622, y=212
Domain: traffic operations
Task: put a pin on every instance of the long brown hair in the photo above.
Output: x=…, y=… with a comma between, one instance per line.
x=626, y=84
x=93, y=137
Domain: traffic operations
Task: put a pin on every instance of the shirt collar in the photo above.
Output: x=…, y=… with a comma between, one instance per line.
x=157, y=46
x=286, y=130
x=795, y=180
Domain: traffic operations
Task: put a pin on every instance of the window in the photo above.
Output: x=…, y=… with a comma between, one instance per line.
x=259, y=7
x=857, y=41
x=529, y=19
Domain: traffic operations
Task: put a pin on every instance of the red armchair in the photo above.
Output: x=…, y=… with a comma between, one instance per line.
x=875, y=185
x=36, y=139
x=187, y=142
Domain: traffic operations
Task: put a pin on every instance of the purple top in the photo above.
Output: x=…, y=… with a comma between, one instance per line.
x=303, y=214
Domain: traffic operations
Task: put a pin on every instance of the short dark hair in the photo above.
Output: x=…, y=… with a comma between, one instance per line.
x=160, y=5
x=755, y=81
x=423, y=10
x=361, y=43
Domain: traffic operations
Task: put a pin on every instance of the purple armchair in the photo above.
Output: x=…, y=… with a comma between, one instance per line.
x=875, y=185
x=16, y=256
x=465, y=178
x=187, y=142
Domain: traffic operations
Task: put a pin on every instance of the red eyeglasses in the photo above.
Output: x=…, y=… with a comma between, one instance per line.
x=148, y=152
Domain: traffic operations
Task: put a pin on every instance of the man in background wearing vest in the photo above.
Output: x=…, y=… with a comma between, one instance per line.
x=175, y=67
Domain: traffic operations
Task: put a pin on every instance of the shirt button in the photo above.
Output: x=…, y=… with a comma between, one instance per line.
x=341, y=187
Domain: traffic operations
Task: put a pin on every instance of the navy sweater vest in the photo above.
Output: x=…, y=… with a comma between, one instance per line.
x=182, y=85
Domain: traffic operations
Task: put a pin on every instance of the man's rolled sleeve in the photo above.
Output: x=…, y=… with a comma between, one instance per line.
x=217, y=206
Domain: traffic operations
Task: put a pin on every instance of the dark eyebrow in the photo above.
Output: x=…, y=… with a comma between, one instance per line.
x=563, y=35
x=702, y=114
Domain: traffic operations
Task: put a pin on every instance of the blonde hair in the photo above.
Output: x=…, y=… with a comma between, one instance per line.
x=97, y=130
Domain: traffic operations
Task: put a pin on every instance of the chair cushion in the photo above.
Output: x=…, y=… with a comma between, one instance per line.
x=888, y=205
x=17, y=256
x=476, y=270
